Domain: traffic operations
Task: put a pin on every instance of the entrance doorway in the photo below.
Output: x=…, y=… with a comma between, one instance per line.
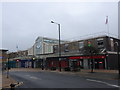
x=99, y=64
x=76, y=65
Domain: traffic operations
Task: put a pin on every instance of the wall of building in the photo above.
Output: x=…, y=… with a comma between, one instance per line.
x=39, y=46
x=112, y=61
x=44, y=45
x=47, y=48
x=105, y=45
x=19, y=54
x=31, y=51
x=99, y=43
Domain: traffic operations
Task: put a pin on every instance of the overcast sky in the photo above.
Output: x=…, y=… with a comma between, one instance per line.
x=23, y=22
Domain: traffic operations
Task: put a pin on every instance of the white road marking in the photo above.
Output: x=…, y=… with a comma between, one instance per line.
x=27, y=75
x=103, y=83
x=33, y=77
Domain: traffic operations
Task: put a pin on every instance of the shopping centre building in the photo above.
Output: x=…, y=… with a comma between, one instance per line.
x=101, y=52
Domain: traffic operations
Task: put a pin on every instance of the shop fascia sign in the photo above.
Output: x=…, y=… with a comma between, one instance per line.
x=88, y=57
x=1, y=57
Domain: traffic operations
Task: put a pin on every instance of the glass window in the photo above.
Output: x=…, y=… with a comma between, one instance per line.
x=66, y=47
x=100, y=43
x=55, y=48
x=112, y=44
x=38, y=48
x=81, y=44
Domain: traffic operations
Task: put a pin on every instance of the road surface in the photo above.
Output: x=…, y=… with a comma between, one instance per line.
x=57, y=80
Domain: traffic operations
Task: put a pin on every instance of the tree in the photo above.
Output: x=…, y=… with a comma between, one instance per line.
x=90, y=50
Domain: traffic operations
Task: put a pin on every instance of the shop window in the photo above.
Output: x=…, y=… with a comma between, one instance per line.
x=112, y=44
x=55, y=48
x=81, y=45
x=66, y=47
x=100, y=43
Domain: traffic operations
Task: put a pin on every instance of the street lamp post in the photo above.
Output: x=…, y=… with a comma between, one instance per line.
x=59, y=45
x=8, y=67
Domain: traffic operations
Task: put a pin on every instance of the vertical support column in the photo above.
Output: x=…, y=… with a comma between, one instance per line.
x=105, y=63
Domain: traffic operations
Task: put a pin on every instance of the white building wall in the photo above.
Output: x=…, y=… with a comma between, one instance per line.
x=39, y=46
x=48, y=48
x=34, y=49
x=44, y=45
x=31, y=51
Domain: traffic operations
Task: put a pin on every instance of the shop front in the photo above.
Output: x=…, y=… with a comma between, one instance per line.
x=75, y=63
x=86, y=62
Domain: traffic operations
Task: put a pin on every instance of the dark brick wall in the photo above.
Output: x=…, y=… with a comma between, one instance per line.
x=112, y=61
x=74, y=46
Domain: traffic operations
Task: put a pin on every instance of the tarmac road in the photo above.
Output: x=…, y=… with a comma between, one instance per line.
x=58, y=80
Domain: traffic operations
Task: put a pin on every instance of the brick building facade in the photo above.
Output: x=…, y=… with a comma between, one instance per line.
x=73, y=53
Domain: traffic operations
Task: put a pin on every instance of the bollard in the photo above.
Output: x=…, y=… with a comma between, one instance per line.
x=12, y=86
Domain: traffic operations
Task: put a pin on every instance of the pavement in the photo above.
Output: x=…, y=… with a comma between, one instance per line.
x=7, y=81
x=98, y=74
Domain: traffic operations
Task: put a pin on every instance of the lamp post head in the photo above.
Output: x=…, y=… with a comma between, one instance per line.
x=55, y=22
x=52, y=22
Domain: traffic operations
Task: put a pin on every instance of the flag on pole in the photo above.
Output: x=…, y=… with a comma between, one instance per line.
x=106, y=22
